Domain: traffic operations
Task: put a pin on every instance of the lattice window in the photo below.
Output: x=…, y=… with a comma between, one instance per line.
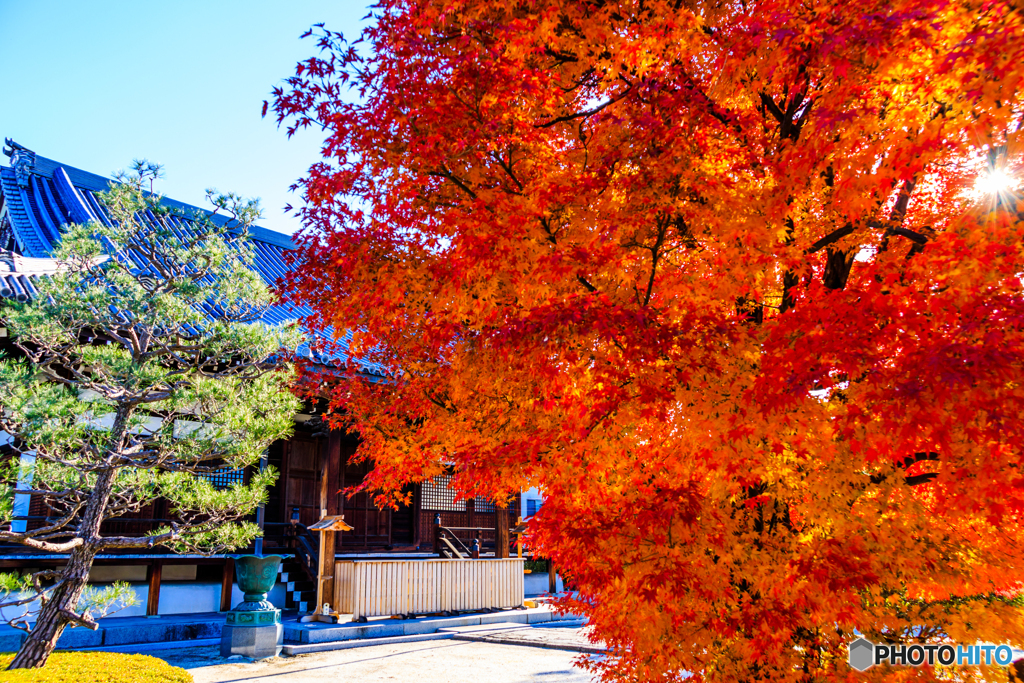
x=225, y=477
x=481, y=504
x=437, y=495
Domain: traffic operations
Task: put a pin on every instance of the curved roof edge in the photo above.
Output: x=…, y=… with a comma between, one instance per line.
x=84, y=180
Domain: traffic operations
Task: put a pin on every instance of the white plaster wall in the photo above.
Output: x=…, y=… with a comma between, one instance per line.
x=108, y=573
x=105, y=573
x=185, y=598
x=537, y=584
x=177, y=598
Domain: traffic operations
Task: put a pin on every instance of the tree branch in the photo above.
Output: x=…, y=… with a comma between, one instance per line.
x=80, y=619
x=40, y=545
x=588, y=112
x=831, y=238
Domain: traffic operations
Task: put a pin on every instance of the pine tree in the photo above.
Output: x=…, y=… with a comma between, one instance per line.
x=145, y=370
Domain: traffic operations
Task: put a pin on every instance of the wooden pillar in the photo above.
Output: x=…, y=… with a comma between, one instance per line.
x=261, y=510
x=153, y=572
x=437, y=534
x=552, y=577
x=334, y=474
x=284, y=479
x=327, y=568
x=417, y=516
x=500, y=531
x=330, y=456
x=227, y=580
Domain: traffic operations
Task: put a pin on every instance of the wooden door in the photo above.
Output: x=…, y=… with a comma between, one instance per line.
x=302, y=489
x=403, y=522
x=372, y=526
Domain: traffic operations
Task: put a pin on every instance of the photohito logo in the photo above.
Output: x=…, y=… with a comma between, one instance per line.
x=864, y=654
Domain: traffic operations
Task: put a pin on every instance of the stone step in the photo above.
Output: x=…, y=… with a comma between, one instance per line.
x=486, y=628
x=306, y=638
x=292, y=649
x=377, y=628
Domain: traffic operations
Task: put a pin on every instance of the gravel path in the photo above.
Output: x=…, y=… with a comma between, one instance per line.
x=434, y=661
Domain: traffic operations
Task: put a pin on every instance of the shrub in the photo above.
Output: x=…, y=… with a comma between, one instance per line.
x=96, y=667
x=536, y=566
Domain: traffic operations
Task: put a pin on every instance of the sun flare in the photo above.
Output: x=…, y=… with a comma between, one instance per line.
x=996, y=181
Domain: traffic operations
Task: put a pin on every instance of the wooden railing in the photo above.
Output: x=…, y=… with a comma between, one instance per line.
x=301, y=540
x=464, y=540
x=411, y=587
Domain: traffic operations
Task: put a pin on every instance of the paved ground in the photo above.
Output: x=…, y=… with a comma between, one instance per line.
x=436, y=661
x=518, y=655
x=550, y=637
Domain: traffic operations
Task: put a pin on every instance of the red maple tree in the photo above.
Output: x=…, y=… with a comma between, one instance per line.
x=735, y=284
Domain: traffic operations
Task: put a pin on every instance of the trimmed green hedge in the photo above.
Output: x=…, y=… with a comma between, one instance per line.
x=96, y=667
x=536, y=566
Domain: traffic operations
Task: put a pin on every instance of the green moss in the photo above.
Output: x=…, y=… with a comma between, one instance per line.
x=96, y=667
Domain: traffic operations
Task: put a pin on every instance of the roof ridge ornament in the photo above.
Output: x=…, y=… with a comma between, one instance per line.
x=14, y=146
x=22, y=159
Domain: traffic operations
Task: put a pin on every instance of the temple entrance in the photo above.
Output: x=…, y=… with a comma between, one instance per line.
x=302, y=486
x=304, y=461
x=403, y=522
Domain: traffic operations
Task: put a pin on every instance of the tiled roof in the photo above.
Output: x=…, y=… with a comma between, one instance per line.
x=40, y=195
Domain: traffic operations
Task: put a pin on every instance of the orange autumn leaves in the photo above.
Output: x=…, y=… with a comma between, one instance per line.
x=717, y=279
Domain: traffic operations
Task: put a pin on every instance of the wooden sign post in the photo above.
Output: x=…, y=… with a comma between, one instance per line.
x=325, y=570
x=519, y=530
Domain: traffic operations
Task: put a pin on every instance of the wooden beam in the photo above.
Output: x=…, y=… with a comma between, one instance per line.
x=153, y=572
x=227, y=580
x=501, y=527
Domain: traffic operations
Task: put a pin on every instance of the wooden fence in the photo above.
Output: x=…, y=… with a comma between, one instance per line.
x=391, y=587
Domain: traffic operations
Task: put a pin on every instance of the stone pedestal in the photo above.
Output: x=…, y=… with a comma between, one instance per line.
x=255, y=640
x=253, y=628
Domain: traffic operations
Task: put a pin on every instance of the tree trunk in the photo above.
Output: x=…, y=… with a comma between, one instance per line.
x=59, y=609
x=52, y=619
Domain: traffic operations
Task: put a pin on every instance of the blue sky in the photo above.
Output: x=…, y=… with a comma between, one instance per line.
x=97, y=84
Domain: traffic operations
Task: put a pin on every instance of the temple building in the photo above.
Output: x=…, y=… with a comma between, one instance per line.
x=37, y=197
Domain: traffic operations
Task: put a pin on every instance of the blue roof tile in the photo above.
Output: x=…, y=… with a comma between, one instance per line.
x=58, y=193
x=78, y=210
